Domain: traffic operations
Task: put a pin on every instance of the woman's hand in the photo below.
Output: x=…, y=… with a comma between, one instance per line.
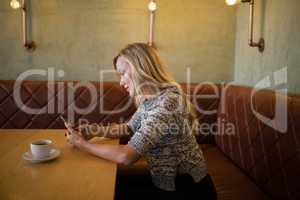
x=74, y=137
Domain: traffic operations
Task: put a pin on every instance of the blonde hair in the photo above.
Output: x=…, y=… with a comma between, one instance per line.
x=147, y=66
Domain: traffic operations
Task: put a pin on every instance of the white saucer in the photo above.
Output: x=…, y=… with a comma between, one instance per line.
x=54, y=153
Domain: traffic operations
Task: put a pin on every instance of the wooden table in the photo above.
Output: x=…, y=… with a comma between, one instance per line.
x=74, y=175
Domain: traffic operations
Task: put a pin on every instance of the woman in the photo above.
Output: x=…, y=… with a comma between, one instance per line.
x=162, y=131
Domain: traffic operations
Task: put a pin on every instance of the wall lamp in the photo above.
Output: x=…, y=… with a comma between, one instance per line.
x=152, y=7
x=261, y=43
x=15, y=4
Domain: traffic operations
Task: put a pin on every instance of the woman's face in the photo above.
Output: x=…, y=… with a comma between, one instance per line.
x=124, y=69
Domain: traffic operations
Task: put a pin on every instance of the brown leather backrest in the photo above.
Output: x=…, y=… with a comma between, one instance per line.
x=53, y=97
x=261, y=147
x=112, y=105
x=205, y=97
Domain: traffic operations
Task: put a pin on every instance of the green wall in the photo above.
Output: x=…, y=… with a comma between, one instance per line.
x=82, y=37
x=278, y=21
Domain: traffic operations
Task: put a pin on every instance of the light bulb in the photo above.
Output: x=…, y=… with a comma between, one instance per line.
x=15, y=4
x=152, y=6
x=232, y=2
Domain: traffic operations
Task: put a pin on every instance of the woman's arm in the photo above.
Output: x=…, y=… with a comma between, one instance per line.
x=121, y=154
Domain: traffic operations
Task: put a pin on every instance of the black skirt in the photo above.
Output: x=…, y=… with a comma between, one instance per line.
x=141, y=187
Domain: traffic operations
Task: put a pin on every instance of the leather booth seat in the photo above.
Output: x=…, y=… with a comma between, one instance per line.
x=257, y=158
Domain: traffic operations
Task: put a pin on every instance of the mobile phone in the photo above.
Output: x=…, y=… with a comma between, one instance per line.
x=63, y=119
x=66, y=122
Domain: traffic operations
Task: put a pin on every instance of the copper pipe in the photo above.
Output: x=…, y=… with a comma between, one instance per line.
x=30, y=46
x=151, y=28
x=24, y=21
x=152, y=8
x=251, y=22
x=261, y=43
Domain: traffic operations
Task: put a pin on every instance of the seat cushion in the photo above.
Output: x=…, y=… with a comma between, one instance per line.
x=231, y=183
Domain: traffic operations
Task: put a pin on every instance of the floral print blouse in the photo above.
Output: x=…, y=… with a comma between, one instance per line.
x=162, y=134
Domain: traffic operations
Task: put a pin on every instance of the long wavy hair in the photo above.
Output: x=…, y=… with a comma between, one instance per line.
x=148, y=67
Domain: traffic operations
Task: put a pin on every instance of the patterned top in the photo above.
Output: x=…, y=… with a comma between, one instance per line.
x=162, y=134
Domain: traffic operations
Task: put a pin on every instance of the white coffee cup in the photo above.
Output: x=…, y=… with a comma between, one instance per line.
x=41, y=148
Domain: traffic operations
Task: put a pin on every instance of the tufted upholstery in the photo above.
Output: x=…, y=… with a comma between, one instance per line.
x=110, y=97
x=270, y=157
x=34, y=94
